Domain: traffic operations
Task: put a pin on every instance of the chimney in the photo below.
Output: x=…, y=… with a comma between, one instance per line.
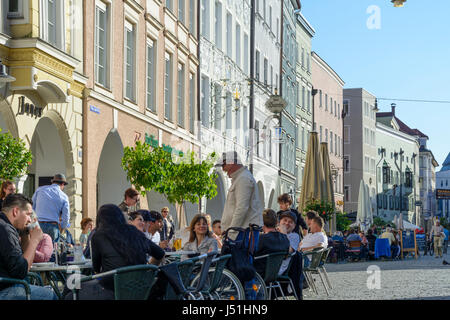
x=393, y=105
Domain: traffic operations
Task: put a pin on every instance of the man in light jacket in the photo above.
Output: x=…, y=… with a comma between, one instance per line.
x=243, y=206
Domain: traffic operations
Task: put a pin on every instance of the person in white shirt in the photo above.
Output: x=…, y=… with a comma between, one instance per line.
x=288, y=220
x=243, y=206
x=156, y=224
x=315, y=239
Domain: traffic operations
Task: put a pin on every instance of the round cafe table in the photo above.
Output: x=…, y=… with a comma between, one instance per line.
x=53, y=272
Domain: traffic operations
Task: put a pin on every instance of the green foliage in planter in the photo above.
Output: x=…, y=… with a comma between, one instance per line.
x=325, y=209
x=179, y=179
x=14, y=157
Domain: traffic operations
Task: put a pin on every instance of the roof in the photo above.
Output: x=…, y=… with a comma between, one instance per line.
x=403, y=127
x=446, y=165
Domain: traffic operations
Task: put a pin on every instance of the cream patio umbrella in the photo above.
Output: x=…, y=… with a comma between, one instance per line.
x=369, y=213
x=313, y=177
x=328, y=192
x=362, y=206
x=400, y=222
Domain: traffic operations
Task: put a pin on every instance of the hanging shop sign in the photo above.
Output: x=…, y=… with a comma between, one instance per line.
x=442, y=194
x=150, y=140
x=29, y=109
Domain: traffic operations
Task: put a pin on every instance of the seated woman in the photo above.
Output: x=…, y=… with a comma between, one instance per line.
x=200, y=238
x=115, y=244
x=137, y=220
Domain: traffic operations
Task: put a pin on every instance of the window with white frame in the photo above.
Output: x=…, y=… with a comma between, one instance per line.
x=53, y=22
x=347, y=194
x=169, y=5
x=130, y=61
x=15, y=9
x=229, y=35
x=331, y=141
x=346, y=134
x=346, y=163
x=151, y=74
x=101, y=43
x=228, y=114
x=192, y=17
x=182, y=11
x=218, y=25
x=168, y=85
x=266, y=71
x=246, y=51
x=191, y=102
x=205, y=102
x=180, y=95
x=205, y=18
x=238, y=45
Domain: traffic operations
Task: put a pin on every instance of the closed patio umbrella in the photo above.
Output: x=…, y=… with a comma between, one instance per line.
x=395, y=221
x=362, y=207
x=328, y=194
x=369, y=213
x=400, y=222
x=313, y=177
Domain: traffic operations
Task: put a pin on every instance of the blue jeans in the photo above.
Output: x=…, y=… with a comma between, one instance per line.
x=17, y=292
x=51, y=229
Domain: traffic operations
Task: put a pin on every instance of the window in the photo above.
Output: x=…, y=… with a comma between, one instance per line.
x=303, y=57
x=266, y=71
x=238, y=45
x=205, y=94
x=130, y=51
x=303, y=96
x=246, y=51
x=218, y=25
x=339, y=111
x=347, y=196
x=346, y=107
x=169, y=5
x=181, y=11
x=346, y=134
x=52, y=16
x=331, y=142
x=168, y=85
x=257, y=65
x=237, y=120
x=101, y=44
x=218, y=107
x=320, y=134
x=192, y=17
x=270, y=17
x=331, y=105
x=205, y=24
x=15, y=9
x=191, y=102
x=229, y=35
x=326, y=102
x=228, y=114
x=326, y=135
x=151, y=74
x=309, y=101
x=308, y=61
x=180, y=95
x=346, y=163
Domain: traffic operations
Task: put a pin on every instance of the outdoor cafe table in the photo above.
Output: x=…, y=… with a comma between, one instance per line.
x=51, y=269
x=382, y=248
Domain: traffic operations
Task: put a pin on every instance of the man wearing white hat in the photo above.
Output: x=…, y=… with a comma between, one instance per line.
x=243, y=206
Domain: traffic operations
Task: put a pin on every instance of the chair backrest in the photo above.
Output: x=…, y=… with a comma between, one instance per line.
x=325, y=254
x=354, y=244
x=134, y=282
x=220, y=264
x=316, y=257
x=273, y=264
x=205, y=270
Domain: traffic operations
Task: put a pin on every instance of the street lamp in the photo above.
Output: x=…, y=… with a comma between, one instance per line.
x=5, y=77
x=398, y=3
x=383, y=154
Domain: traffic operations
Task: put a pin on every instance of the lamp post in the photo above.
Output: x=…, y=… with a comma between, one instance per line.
x=400, y=169
x=313, y=93
x=383, y=154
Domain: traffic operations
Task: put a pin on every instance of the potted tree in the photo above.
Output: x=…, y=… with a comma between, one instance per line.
x=14, y=157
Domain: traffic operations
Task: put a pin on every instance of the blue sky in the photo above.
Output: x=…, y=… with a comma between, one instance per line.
x=408, y=57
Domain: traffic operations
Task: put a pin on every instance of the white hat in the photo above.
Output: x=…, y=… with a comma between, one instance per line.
x=229, y=157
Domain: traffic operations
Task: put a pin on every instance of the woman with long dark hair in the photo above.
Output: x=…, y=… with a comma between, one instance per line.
x=115, y=244
x=201, y=239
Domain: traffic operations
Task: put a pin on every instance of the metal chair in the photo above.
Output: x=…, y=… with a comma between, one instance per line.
x=322, y=265
x=24, y=283
x=354, y=249
x=273, y=264
x=130, y=283
x=313, y=268
x=284, y=278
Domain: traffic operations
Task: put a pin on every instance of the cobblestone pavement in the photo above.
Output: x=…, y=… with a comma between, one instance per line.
x=411, y=279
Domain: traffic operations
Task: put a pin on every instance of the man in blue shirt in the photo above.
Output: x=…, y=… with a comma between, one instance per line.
x=52, y=207
x=445, y=240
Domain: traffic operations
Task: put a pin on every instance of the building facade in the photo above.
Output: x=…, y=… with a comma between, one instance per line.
x=141, y=62
x=443, y=183
x=427, y=179
x=41, y=43
x=304, y=86
x=288, y=90
x=360, y=152
x=397, y=171
x=328, y=119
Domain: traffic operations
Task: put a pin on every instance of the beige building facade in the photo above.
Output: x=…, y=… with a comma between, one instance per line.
x=141, y=62
x=328, y=119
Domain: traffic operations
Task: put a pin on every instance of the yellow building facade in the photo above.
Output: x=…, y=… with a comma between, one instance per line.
x=41, y=43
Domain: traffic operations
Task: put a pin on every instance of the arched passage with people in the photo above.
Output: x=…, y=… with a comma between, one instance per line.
x=111, y=178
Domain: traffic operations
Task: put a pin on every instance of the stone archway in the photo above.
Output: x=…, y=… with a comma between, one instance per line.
x=7, y=119
x=261, y=194
x=215, y=206
x=272, y=202
x=111, y=178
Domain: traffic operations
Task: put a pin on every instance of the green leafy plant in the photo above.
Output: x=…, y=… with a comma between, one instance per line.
x=325, y=209
x=14, y=157
x=342, y=221
x=178, y=178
